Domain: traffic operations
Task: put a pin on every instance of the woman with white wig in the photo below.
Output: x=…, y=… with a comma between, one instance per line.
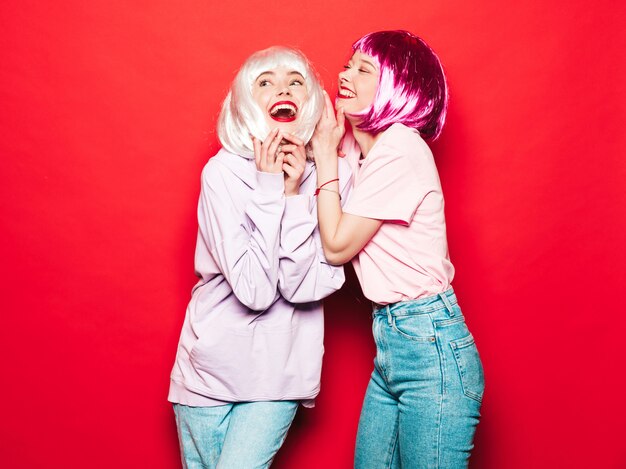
x=251, y=346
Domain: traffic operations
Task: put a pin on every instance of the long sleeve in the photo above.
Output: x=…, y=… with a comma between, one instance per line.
x=241, y=234
x=304, y=273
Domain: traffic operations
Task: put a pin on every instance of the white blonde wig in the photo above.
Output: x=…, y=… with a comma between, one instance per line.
x=241, y=116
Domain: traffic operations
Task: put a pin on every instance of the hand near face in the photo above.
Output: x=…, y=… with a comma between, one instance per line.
x=328, y=133
x=266, y=155
x=294, y=162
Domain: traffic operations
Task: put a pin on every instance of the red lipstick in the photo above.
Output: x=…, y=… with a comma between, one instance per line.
x=284, y=111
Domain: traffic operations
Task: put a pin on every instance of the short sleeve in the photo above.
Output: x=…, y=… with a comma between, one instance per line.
x=387, y=186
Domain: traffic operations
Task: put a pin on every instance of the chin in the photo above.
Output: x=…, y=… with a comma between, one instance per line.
x=352, y=119
x=289, y=127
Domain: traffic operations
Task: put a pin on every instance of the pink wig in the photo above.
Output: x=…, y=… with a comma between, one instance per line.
x=412, y=87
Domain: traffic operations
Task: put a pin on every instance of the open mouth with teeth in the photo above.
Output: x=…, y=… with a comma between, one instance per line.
x=284, y=111
x=345, y=93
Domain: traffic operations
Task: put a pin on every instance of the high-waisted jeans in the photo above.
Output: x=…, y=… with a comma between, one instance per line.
x=241, y=435
x=422, y=403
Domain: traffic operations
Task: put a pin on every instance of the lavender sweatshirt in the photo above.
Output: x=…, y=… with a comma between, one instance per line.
x=254, y=327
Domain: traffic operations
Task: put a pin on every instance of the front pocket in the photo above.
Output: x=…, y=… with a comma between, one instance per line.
x=470, y=367
x=258, y=363
x=416, y=327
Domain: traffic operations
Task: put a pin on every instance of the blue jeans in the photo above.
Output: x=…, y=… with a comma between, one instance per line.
x=422, y=403
x=241, y=435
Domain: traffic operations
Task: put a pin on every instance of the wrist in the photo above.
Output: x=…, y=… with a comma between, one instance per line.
x=326, y=161
x=326, y=156
x=296, y=206
x=325, y=174
x=270, y=182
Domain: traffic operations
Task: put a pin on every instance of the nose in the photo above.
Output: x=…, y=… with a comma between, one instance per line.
x=344, y=76
x=285, y=90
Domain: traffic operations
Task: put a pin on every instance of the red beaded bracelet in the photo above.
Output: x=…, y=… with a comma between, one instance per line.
x=317, y=191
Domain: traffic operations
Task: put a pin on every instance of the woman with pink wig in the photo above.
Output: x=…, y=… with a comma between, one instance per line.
x=422, y=403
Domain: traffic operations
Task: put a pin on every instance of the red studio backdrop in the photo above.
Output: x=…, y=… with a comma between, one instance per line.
x=107, y=115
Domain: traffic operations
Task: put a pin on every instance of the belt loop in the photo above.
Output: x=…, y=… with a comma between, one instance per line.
x=446, y=302
x=389, y=320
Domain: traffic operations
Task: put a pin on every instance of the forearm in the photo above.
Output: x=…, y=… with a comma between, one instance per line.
x=343, y=234
x=246, y=250
x=329, y=212
x=304, y=273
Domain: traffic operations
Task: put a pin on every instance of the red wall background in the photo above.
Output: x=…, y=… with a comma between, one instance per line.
x=107, y=115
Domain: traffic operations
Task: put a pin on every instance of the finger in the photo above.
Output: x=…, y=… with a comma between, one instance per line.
x=291, y=160
x=264, y=160
x=292, y=138
x=271, y=151
x=341, y=117
x=268, y=139
x=289, y=148
x=329, y=109
x=296, y=163
x=257, y=150
x=280, y=154
x=322, y=122
x=280, y=159
x=298, y=150
x=265, y=143
x=290, y=171
x=300, y=154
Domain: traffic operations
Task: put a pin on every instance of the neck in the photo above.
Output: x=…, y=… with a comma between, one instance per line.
x=365, y=140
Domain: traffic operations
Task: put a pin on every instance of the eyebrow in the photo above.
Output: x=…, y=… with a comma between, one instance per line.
x=270, y=72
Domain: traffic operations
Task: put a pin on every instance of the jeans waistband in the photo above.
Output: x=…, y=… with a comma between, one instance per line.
x=425, y=305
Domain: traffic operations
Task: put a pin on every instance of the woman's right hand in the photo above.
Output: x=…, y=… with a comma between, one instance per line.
x=328, y=133
x=266, y=155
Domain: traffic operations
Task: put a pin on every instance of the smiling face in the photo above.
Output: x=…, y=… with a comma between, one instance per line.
x=358, y=84
x=280, y=93
x=275, y=88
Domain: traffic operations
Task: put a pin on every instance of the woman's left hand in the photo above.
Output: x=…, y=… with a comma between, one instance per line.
x=328, y=133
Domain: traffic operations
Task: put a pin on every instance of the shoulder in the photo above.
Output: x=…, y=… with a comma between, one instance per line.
x=405, y=139
x=225, y=166
x=400, y=142
x=217, y=162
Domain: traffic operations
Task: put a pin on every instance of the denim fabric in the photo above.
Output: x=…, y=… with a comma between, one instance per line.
x=242, y=435
x=422, y=404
